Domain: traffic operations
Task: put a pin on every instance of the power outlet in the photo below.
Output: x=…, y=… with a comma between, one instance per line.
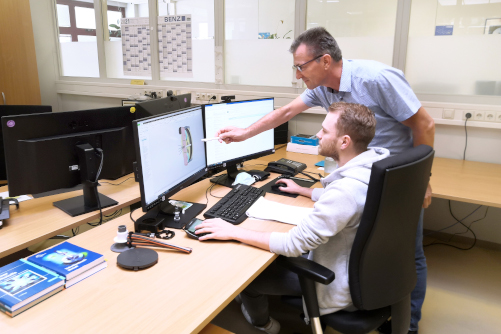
x=471, y=112
x=490, y=116
x=211, y=97
x=478, y=115
x=203, y=96
x=498, y=116
x=198, y=96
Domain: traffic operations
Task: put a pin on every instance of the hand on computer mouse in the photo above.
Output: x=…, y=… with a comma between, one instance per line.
x=278, y=186
x=287, y=186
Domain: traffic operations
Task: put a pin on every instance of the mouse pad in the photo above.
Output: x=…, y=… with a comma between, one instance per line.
x=302, y=182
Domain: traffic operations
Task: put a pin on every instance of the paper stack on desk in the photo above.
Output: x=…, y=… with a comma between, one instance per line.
x=269, y=210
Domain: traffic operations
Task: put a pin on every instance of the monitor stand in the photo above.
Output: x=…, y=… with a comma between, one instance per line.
x=228, y=178
x=79, y=205
x=88, y=166
x=163, y=216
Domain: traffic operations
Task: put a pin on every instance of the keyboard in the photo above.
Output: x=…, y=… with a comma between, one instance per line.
x=233, y=205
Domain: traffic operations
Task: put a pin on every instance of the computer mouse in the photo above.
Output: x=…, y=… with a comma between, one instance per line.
x=277, y=186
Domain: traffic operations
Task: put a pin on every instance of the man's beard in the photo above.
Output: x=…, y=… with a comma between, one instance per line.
x=329, y=150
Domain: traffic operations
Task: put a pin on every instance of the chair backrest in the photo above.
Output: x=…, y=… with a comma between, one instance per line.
x=382, y=267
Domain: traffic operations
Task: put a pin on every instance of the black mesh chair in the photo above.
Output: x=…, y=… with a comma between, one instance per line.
x=382, y=270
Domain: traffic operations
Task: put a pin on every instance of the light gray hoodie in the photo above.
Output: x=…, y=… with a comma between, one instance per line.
x=328, y=232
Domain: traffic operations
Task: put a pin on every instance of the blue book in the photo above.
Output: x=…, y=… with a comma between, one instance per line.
x=23, y=284
x=66, y=259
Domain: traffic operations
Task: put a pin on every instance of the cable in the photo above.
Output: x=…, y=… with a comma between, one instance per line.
x=117, y=184
x=138, y=240
x=467, y=116
x=95, y=188
x=311, y=177
x=131, y=211
x=276, y=149
x=468, y=229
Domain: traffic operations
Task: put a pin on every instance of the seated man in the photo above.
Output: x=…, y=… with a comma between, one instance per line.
x=328, y=231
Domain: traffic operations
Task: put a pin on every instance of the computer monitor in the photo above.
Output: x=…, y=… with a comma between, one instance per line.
x=161, y=106
x=46, y=152
x=170, y=156
x=240, y=114
x=11, y=110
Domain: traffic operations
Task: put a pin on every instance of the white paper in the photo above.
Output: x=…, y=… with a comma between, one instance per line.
x=5, y=195
x=268, y=210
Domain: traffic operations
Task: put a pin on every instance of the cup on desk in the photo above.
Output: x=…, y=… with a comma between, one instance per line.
x=330, y=165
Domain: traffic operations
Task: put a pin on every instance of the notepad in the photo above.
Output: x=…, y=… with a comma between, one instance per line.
x=269, y=210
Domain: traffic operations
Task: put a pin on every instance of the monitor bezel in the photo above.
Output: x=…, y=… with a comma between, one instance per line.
x=239, y=159
x=178, y=187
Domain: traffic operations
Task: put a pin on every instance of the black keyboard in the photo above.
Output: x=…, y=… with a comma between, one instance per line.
x=233, y=205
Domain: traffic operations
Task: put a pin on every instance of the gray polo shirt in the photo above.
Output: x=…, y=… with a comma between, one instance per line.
x=381, y=88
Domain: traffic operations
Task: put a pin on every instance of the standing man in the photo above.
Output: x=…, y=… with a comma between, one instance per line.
x=401, y=120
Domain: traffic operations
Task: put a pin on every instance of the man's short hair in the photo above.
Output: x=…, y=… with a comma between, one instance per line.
x=356, y=121
x=319, y=42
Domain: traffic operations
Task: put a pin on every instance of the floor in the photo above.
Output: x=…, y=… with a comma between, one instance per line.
x=463, y=297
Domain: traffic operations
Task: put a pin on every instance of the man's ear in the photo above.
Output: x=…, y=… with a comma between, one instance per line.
x=326, y=60
x=345, y=142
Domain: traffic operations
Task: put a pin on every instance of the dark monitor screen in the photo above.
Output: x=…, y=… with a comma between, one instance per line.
x=161, y=106
x=41, y=153
x=11, y=110
x=240, y=114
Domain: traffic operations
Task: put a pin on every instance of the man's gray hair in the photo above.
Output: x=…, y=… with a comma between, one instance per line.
x=319, y=42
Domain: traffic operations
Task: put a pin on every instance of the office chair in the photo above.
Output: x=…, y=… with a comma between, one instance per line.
x=382, y=270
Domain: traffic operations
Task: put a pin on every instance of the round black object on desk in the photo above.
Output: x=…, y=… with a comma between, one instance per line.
x=137, y=258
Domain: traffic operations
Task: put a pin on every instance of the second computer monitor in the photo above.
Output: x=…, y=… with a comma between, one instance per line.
x=240, y=114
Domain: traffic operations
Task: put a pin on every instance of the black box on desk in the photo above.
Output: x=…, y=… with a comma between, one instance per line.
x=281, y=133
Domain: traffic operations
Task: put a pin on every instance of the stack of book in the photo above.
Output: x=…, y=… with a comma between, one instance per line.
x=27, y=282
x=303, y=144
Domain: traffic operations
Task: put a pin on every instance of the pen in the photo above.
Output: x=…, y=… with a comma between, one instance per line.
x=209, y=139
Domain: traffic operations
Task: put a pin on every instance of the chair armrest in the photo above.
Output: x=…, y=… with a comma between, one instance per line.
x=307, y=269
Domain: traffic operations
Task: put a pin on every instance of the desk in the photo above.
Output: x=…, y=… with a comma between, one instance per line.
x=38, y=220
x=180, y=294
x=467, y=181
x=183, y=292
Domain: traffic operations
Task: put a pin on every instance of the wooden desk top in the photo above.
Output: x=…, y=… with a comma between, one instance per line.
x=467, y=181
x=37, y=219
x=180, y=294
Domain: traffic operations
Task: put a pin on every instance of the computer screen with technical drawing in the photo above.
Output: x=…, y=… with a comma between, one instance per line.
x=171, y=152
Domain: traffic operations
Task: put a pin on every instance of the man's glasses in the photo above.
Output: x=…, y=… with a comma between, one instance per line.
x=300, y=67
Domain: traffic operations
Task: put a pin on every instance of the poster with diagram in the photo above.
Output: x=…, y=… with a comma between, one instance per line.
x=136, y=46
x=175, y=46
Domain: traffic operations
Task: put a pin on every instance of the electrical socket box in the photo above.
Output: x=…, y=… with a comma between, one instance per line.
x=159, y=93
x=197, y=96
x=490, y=116
x=478, y=115
x=210, y=97
x=203, y=96
x=464, y=112
x=498, y=116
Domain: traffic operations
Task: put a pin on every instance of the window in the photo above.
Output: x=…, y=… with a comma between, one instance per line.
x=363, y=29
x=454, y=47
x=127, y=39
x=258, y=35
x=186, y=48
x=77, y=37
